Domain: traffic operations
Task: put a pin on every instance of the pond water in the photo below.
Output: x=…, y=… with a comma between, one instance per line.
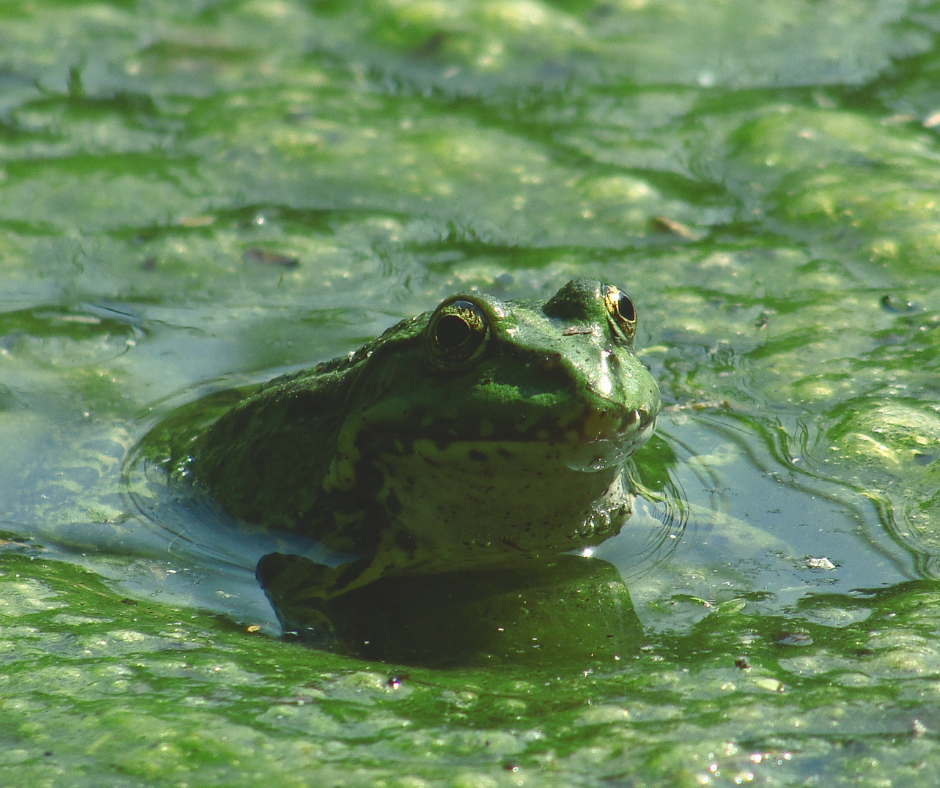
x=200, y=194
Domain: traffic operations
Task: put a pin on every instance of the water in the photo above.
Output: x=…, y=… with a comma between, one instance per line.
x=200, y=195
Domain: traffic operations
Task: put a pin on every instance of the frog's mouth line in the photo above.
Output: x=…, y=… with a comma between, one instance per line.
x=592, y=442
x=583, y=426
x=603, y=425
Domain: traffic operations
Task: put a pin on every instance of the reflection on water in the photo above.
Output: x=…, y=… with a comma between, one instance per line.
x=554, y=612
x=721, y=514
x=753, y=527
x=214, y=560
x=214, y=555
x=721, y=517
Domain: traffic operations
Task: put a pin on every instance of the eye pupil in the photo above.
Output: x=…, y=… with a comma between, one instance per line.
x=621, y=313
x=625, y=308
x=451, y=332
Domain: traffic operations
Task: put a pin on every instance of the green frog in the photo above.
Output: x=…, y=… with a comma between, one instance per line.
x=481, y=435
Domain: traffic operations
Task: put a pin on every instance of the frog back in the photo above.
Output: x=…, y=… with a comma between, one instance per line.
x=264, y=460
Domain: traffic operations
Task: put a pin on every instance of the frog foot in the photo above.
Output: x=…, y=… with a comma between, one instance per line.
x=299, y=590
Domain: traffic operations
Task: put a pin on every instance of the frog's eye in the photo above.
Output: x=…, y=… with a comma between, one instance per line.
x=621, y=311
x=457, y=332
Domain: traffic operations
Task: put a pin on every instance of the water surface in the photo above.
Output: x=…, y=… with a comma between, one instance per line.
x=197, y=195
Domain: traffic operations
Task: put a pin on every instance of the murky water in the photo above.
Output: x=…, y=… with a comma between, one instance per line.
x=201, y=195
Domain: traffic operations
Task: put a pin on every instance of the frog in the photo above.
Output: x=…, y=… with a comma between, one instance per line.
x=482, y=434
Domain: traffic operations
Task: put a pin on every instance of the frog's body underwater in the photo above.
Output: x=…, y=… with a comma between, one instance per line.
x=480, y=435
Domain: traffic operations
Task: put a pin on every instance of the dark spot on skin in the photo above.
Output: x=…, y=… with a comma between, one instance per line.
x=505, y=454
x=349, y=574
x=393, y=504
x=312, y=521
x=406, y=542
x=300, y=405
x=369, y=480
x=476, y=455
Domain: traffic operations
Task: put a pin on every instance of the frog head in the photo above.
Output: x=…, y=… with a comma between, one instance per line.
x=492, y=430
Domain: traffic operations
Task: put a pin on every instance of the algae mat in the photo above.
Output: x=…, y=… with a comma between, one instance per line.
x=196, y=195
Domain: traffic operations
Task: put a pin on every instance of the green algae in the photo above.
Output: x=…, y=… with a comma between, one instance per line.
x=197, y=195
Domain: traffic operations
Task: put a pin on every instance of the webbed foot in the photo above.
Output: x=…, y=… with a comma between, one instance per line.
x=299, y=590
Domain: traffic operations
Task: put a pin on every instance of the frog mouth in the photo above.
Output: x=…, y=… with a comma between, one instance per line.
x=612, y=425
x=587, y=425
x=602, y=439
x=590, y=441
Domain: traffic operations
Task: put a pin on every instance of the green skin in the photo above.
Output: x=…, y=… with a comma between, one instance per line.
x=484, y=434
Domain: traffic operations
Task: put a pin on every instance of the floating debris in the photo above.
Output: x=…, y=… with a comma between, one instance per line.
x=267, y=257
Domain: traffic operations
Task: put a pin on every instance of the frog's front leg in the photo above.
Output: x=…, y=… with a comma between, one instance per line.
x=299, y=590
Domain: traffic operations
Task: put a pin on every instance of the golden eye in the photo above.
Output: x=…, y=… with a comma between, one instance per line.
x=621, y=311
x=457, y=332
